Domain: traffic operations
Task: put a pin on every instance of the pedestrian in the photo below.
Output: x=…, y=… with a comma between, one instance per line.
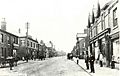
x=16, y=60
x=26, y=57
x=10, y=58
x=118, y=61
x=91, y=60
x=101, y=59
x=87, y=61
x=113, y=62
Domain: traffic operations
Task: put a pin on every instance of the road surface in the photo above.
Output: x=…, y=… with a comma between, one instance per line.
x=57, y=66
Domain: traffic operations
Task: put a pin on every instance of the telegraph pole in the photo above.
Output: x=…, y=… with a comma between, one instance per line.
x=27, y=27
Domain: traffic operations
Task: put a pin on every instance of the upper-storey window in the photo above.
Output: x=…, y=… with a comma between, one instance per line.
x=22, y=42
x=8, y=39
x=102, y=22
x=115, y=19
x=27, y=43
x=13, y=39
x=34, y=45
x=16, y=40
x=1, y=37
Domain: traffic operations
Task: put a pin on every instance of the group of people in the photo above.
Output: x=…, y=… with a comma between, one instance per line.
x=90, y=60
x=69, y=56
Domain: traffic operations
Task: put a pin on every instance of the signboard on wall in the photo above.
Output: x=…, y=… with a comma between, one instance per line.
x=80, y=35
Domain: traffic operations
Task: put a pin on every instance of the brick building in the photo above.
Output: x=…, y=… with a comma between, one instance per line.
x=8, y=42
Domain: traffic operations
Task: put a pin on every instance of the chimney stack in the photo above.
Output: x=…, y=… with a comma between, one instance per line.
x=3, y=24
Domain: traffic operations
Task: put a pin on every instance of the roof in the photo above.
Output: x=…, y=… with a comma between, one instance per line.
x=29, y=38
x=106, y=5
x=8, y=33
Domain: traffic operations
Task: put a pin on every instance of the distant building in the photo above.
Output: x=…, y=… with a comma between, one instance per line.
x=82, y=47
x=27, y=46
x=81, y=43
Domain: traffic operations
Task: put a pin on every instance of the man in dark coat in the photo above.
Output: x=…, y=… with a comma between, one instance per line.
x=11, y=61
x=92, y=59
x=87, y=61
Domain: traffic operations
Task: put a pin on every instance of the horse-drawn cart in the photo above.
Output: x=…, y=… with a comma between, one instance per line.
x=2, y=61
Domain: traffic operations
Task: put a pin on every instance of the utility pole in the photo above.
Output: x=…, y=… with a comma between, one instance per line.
x=27, y=27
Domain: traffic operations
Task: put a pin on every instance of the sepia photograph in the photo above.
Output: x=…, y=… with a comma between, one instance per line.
x=59, y=38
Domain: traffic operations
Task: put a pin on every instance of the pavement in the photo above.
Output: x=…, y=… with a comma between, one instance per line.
x=7, y=72
x=99, y=71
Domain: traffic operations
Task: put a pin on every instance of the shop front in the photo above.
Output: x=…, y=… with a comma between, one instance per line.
x=115, y=46
x=101, y=43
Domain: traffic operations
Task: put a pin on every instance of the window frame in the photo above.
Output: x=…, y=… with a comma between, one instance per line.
x=115, y=19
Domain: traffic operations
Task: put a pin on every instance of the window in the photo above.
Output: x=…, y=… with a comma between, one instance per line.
x=13, y=39
x=102, y=22
x=31, y=44
x=8, y=39
x=1, y=37
x=2, y=50
x=115, y=19
x=27, y=43
x=16, y=40
x=96, y=30
x=34, y=45
x=22, y=42
x=5, y=52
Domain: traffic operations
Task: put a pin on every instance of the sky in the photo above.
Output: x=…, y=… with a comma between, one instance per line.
x=49, y=20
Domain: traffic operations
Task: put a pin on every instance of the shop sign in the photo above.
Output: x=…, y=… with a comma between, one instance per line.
x=116, y=35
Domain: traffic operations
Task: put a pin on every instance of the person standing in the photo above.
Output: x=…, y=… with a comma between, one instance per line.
x=77, y=59
x=113, y=62
x=10, y=59
x=87, y=61
x=92, y=59
x=101, y=59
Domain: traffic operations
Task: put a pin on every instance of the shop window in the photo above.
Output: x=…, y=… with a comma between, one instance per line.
x=31, y=44
x=115, y=19
x=116, y=48
x=5, y=52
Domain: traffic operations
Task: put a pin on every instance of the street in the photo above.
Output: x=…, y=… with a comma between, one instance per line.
x=57, y=66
